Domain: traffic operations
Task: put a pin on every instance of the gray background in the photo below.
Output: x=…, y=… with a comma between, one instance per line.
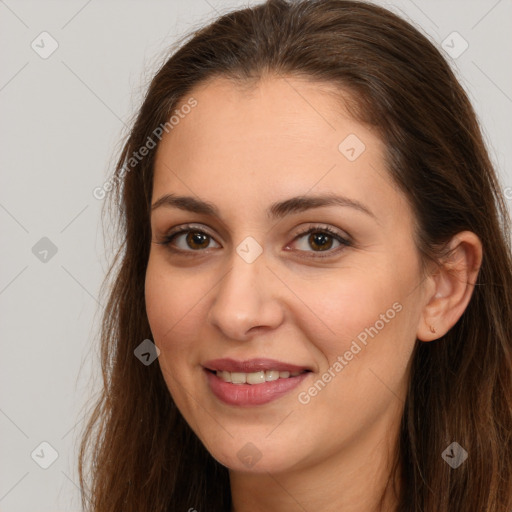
x=61, y=122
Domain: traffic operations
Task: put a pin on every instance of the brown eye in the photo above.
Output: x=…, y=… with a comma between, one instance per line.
x=188, y=240
x=320, y=241
x=197, y=240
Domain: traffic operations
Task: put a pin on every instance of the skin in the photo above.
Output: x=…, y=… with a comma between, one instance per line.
x=243, y=149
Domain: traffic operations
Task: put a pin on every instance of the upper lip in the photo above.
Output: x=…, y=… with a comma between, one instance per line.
x=252, y=365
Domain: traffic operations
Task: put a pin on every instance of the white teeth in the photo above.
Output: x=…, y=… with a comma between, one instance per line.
x=226, y=376
x=238, y=378
x=255, y=377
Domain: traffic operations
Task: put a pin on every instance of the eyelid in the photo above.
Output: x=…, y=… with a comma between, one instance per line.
x=324, y=228
x=188, y=227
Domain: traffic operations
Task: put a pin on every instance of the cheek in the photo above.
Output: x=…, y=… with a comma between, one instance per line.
x=172, y=299
x=339, y=308
x=169, y=305
x=173, y=306
x=177, y=305
x=366, y=317
x=363, y=335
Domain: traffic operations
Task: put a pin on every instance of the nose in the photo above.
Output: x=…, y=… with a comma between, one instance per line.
x=246, y=300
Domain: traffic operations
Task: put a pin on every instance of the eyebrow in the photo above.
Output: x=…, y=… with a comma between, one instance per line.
x=275, y=211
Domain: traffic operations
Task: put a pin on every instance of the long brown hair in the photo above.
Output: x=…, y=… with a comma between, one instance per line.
x=138, y=454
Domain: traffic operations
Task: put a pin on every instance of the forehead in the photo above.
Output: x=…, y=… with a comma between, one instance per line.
x=277, y=138
x=273, y=110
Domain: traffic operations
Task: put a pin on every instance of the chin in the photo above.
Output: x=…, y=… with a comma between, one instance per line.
x=256, y=457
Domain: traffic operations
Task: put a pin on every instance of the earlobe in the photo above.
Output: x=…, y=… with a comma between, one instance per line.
x=452, y=286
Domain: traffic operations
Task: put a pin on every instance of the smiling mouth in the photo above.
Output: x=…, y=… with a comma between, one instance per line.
x=255, y=388
x=255, y=378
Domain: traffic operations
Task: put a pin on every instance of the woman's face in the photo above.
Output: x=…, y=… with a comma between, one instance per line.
x=245, y=283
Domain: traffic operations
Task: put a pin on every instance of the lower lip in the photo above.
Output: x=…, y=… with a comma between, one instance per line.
x=252, y=394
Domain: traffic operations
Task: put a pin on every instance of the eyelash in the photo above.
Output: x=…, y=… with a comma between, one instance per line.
x=315, y=229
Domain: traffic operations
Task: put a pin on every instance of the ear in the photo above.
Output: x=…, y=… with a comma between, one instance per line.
x=451, y=286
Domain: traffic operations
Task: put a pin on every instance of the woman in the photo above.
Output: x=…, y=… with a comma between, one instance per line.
x=315, y=240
